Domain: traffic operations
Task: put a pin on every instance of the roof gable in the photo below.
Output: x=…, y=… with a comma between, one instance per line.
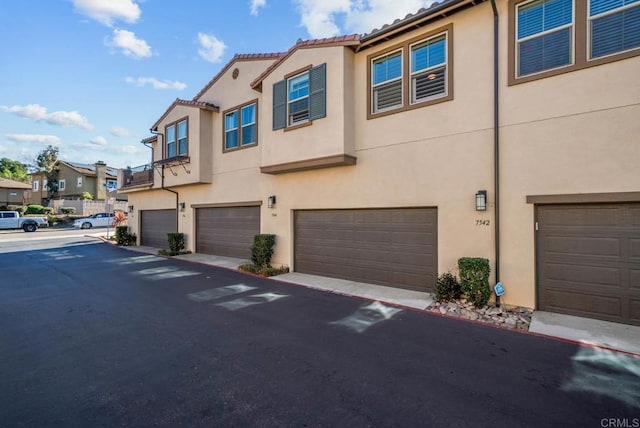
x=351, y=40
x=6, y=183
x=186, y=103
x=237, y=58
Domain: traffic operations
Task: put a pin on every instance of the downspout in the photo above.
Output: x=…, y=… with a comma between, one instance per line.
x=496, y=140
x=162, y=180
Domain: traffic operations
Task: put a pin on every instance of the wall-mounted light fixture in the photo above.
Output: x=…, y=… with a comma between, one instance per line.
x=271, y=201
x=182, y=205
x=481, y=200
x=130, y=208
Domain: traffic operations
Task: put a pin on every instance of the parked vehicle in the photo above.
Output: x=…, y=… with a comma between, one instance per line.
x=95, y=220
x=12, y=220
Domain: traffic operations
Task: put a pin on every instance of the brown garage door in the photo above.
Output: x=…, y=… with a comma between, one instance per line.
x=393, y=247
x=227, y=231
x=154, y=226
x=589, y=261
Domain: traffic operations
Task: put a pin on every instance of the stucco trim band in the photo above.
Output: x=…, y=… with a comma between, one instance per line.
x=305, y=165
x=228, y=204
x=581, y=198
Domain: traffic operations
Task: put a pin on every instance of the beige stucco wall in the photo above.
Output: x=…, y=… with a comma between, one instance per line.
x=324, y=137
x=573, y=133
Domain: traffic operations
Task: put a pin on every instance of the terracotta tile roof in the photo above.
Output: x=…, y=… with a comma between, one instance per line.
x=5, y=183
x=236, y=58
x=188, y=103
x=149, y=139
x=350, y=40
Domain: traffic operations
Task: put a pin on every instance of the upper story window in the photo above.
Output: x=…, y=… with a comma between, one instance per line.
x=62, y=184
x=79, y=182
x=411, y=75
x=429, y=69
x=36, y=186
x=176, y=136
x=240, y=126
x=549, y=37
x=300, y=98
x=387, y=82
x=44, y=184
x=614, y=26
x=545, y=34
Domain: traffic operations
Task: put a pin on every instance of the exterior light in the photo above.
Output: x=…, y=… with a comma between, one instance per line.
x=432, y=76
x=271, y=201
x=182, y=205
x=481, y=200
x=130, y=208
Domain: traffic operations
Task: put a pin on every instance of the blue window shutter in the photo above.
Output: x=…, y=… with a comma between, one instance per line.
x=317, y=92
x=280, y=105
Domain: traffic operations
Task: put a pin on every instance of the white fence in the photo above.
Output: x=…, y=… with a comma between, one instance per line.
x=87, y=207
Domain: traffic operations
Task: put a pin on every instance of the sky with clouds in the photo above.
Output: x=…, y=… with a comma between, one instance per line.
x=91, y=76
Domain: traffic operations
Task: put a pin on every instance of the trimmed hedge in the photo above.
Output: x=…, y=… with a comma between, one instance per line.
x=474, y=279
x=262, y=249
x=176, y=243
x=34, y=209
x=68, y=210
x=124, y=238
x=447, y=288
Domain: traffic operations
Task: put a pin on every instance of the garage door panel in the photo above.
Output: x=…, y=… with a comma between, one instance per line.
x=589, y=260
x=155, y=225
x=227, y=231
x=596, y=275
x=393, y=247
x=603, y=307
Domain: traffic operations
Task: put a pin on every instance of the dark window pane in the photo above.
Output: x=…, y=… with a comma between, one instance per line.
x=545, y=52
x=615, y=33
x=231, y=140
x=248, y=134
x=182, y=146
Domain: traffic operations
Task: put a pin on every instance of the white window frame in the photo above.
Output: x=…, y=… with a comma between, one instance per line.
x=44, y=185
x=173, y=142
x=374, y=86
x=186, y=137
x=79, y=182
x=254, y=123
x=290, y=121
x=36, y=186
x=228, y=130
x=412, y=75
x=62, y=184
x=541, y=34
x=590, y=20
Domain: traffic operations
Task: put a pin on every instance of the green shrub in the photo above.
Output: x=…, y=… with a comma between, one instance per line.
x=68, y=210
x=263, y=270
x=34, y=209
x=447, y=288
x=176, y=243
x=49, y=211
x=474, y=280
x=4, y=208
x=262, y=249
x=122, y=233
x=52, y=219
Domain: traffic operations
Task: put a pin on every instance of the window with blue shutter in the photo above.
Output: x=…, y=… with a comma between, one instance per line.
x=614, y=26
x=300, y=98
x=544, y=35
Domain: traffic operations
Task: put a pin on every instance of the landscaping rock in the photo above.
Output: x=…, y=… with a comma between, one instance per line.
x=493, y=311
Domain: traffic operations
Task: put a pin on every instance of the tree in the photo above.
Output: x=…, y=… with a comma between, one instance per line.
x=13, y=170
x=46, y=162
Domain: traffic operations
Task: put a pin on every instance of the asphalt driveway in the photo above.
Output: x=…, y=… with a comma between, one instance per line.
x=94, y=335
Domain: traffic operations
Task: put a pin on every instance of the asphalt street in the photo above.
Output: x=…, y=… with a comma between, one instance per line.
x=95, y=335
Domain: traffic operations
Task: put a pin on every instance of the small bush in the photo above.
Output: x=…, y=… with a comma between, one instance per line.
x=447, y=288
x=68, y=210
x=176, y=243
x=21, y=209
x=4, y=208
x=49, y=211
x=52, y=220
x=34, y=209
x=474, y=280
x=262, y=249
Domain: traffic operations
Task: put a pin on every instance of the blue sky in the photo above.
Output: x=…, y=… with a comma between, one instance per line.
x=91, y=76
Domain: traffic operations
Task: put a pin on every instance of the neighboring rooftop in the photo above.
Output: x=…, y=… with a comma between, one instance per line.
x=88, y=169
x=6, y=183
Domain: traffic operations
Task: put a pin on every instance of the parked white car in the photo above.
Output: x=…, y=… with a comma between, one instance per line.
x=96, y=220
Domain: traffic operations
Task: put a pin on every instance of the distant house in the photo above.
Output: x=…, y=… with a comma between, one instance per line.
x=74, y=179
x=14, y=192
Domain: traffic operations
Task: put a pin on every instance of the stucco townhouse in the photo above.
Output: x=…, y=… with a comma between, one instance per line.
x=500, y=129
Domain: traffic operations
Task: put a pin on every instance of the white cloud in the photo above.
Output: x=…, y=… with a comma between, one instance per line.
x=34, y=138
x=39, y=113
x=129, y=44
x=155, y=83
x=106, y=12
x=256, y=5
x=359, y=16
x=211, y=49
x=119, y=131
x=100, y=141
